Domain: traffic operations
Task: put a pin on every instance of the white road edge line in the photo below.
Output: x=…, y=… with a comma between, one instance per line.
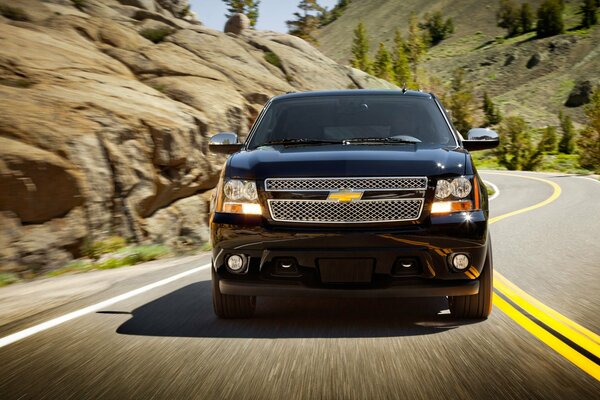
x=5, y=341
x=496, y=190
x=588, y=179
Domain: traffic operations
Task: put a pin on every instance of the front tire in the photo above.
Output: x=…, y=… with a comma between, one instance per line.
x=228, y=306
x=477, y=306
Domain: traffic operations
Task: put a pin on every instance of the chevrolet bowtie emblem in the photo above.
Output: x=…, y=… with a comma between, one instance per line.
x=344, y=196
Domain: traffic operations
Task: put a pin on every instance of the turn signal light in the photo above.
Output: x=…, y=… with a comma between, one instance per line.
x=242, y=208
x=446, y=207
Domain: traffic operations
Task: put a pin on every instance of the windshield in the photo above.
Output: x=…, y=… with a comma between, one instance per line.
x=353, y=119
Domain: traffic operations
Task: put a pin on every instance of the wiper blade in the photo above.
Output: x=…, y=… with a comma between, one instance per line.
x=380, y=140
x=286, y=142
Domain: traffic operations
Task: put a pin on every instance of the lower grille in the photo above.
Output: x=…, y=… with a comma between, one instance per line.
x=363, y=211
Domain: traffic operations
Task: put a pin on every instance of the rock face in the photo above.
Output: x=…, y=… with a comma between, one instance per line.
x=104, y=132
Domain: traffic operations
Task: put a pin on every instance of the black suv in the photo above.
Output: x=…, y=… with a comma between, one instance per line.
x=357, y=193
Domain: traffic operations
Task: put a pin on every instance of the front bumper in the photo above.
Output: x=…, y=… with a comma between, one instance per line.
x=430, y=244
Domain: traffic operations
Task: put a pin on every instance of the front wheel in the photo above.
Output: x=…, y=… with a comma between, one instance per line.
x=228, y=306
x=477, y=306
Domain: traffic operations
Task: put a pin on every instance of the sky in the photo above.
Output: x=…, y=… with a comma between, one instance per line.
x=272, y=13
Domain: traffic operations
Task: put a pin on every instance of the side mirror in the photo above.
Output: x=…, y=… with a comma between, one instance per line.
x=481, y=139
x=224, y=143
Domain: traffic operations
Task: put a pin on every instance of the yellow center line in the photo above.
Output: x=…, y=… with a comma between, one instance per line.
x=576, y=333
x=559, y=346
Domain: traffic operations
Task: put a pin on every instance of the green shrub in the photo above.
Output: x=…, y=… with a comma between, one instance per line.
x=14, y=13
x=7, y=278
x=109, y=245
x=156, y=35
x=74, y=266
x=149, y=252
x=273, y=59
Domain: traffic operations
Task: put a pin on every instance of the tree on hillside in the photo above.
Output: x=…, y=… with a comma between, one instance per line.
x=328, y=17
x=306, y=21
x=588, y=13
x=549, y=19
x=360, y=49
x=508, y=17
x=491, y=112
x=526, y=18
x=414, y=45
x=567, y=140
x=383, y=67
x=461, y=101
x=247, y=7
x=589, y=137
x=400, y=61
x=516, y=151
x=437, y=29
x=548, y=141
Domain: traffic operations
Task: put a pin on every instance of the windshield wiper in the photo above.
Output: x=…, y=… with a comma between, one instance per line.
x=291, y=142
x=384, y=140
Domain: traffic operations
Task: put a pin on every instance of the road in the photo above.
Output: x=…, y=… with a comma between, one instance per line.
x=165, y=343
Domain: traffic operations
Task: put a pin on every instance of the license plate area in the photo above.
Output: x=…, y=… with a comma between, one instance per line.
x=346, y=270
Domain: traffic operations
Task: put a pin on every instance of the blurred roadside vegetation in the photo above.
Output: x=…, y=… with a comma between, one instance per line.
x=112, y=252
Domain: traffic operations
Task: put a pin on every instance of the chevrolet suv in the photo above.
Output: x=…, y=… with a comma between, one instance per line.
x=357, y=193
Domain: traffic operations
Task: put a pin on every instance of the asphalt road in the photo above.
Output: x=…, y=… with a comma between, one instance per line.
x=165, y=343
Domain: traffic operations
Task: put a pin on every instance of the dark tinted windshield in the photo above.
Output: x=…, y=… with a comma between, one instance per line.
x=343, y=117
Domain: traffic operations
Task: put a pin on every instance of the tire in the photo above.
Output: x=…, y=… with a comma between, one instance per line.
x=477, y=306
x=228, y=306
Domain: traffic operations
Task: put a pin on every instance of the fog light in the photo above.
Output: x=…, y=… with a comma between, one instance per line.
x=460, y=261
x=236, y=263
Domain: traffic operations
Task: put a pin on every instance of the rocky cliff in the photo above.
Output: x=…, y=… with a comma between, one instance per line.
x=106, y=110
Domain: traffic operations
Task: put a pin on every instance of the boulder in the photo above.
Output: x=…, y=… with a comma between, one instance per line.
x=580, y=95
x=534, y=60
x=236, y=24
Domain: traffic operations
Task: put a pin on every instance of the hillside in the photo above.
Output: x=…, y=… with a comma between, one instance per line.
x=492, y=63
x=104, y=132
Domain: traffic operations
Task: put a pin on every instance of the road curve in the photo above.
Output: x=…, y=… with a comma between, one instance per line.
x=165, y=343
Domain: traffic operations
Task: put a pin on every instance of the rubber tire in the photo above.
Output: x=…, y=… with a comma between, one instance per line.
x=478, y=306
x=228, y=306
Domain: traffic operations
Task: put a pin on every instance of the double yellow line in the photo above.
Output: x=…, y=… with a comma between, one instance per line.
x=571, y=340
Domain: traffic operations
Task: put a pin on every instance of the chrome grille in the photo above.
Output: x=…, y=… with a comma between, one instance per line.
x=363, y=211
x=329, y=184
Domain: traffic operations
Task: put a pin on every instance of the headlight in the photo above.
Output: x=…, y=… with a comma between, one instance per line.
x=240, y=197
x=461, y=187
x=443, y=189
x=454, y=195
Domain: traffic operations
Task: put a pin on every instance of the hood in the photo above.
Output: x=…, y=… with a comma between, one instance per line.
x=347, y=160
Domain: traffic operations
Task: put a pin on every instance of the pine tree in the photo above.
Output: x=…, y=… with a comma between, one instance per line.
x=589, y=138
x=508, y=17
x=400, y=60
x=414, y=45
x=383, y=66
x=492, y=114
x=548, y=140
x=526, y=18
x=567, y=141
x=306, y=21
x=588, y=13
x=360, y=49
x=437, y=29
x=550, y=20
x=461, y=101
x=516, y=151
x=247, y=7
